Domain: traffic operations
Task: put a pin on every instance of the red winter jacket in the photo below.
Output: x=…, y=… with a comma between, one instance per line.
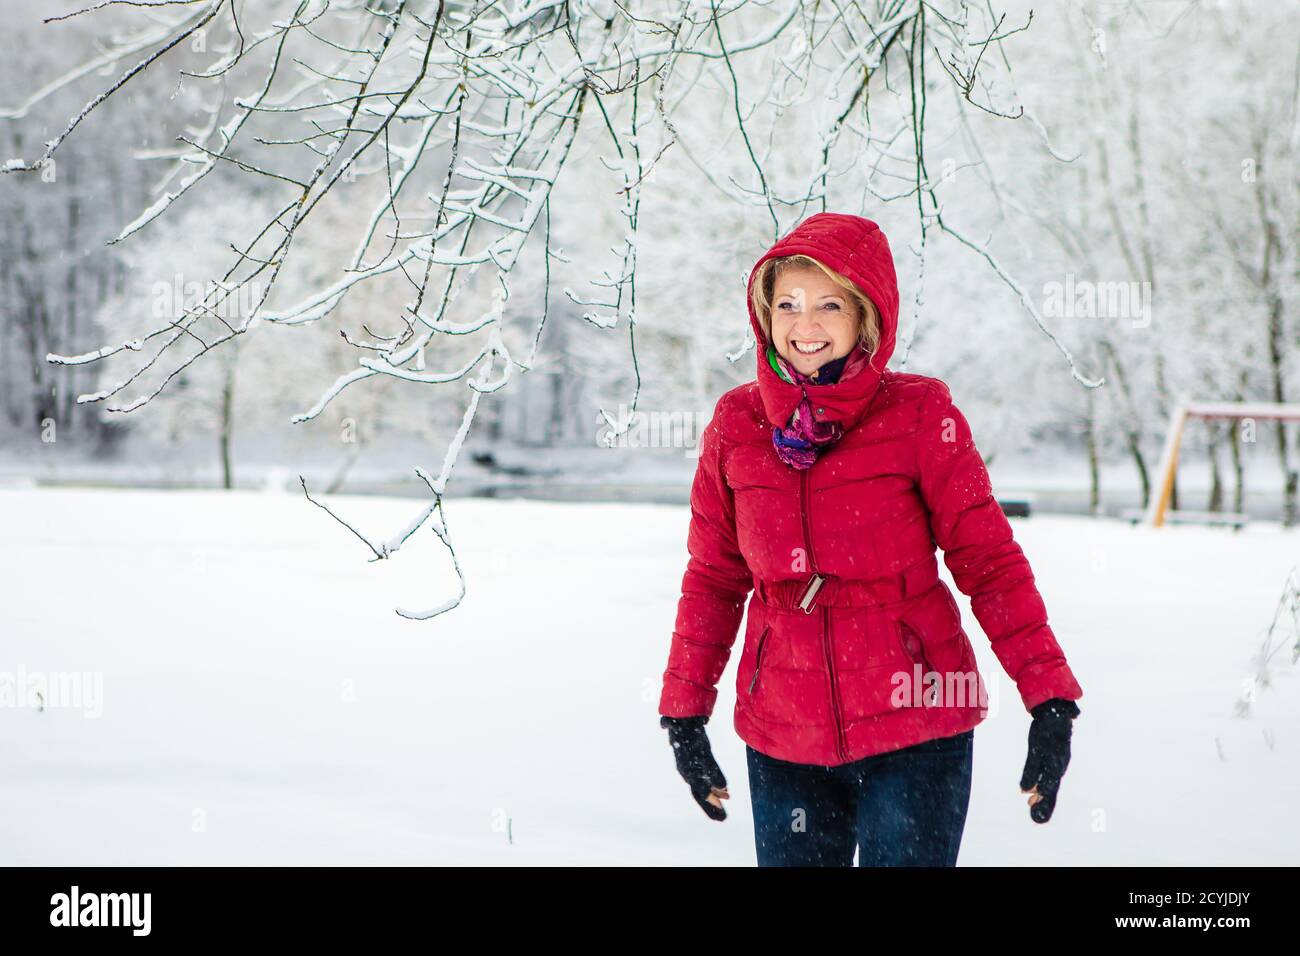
x=852, y=672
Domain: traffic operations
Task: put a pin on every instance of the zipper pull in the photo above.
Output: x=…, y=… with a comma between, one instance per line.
x=814, y=585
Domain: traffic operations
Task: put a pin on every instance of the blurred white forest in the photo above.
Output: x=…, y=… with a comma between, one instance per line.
x=1146, y=147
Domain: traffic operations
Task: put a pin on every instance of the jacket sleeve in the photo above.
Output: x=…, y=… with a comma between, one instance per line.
x=714, y=589
x=986, y=563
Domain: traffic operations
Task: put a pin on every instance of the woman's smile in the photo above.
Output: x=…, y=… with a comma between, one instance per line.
x=809, y=348
x=814, y=320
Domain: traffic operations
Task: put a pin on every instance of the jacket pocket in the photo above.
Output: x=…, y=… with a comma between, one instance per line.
x=914, y=648
x=758, y=656
x=912, y=645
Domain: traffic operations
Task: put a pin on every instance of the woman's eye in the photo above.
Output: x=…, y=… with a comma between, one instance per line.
x=782, y=305
x=832, y=305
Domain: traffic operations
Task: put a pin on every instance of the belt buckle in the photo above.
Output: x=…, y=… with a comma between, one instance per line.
x=809, y=595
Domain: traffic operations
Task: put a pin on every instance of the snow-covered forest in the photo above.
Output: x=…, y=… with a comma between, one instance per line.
x=442, y=252
x=1088, y=202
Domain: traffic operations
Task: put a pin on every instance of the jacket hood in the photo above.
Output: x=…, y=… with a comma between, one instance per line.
x=857, y=249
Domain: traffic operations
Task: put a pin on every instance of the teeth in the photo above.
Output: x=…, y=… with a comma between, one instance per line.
x=808, y=349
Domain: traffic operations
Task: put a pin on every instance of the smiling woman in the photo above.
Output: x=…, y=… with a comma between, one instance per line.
x=811, y=315
x=822, y=492
x=820, y=328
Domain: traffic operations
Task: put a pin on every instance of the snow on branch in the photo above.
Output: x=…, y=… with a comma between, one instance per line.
x=1283, y=634
x=457, y=119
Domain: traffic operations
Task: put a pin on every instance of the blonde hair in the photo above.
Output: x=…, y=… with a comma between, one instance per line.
x=760, y=297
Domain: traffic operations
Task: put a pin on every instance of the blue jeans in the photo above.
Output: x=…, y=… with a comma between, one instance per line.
x=900, y=808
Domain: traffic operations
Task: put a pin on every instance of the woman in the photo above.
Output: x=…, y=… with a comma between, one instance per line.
x=824, y=487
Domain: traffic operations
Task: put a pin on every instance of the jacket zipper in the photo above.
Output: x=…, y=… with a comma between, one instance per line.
x=813, y=585
x=758, y=662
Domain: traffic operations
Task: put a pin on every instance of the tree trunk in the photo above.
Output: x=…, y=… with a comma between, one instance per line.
x=1215, y=504
x=1140, y=463
x=1094, y=464
x=1132, y=433
x=227, y=424
x=1238, y=470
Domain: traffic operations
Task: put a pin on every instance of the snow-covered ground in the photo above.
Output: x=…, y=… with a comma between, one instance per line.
x=262, y=703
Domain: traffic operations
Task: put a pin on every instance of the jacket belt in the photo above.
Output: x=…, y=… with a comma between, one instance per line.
x=804, y=593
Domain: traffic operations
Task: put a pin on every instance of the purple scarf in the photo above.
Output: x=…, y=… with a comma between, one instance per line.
x=804, y=438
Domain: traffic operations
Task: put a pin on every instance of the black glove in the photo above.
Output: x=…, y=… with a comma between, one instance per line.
x=695, y=761
x=1049, y=753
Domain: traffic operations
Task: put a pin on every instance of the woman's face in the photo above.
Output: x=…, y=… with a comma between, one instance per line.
x=814, y=319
